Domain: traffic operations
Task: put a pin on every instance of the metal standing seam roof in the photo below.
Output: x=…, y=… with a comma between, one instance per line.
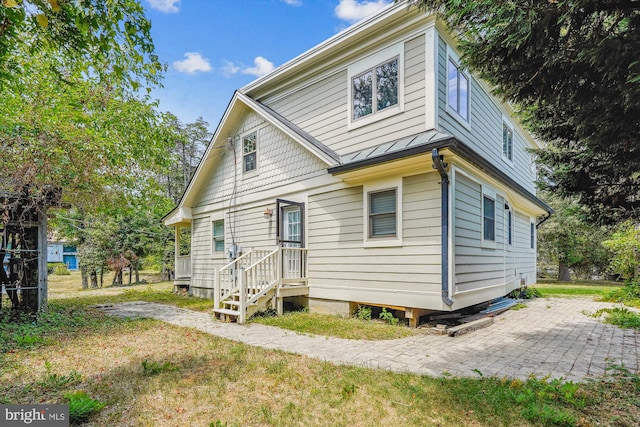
x=396, y=146
x=425, y=142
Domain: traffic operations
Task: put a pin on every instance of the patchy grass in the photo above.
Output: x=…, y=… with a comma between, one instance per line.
x=147, y=373
x=629, y=294
x=619, y=316
x=144, y=372
x=519, y=306
x=593, y=289
x=70, y=285
x=337, y=326
x=67, y=290
x=158, y=292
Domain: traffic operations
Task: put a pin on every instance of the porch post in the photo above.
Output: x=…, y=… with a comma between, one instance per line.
x=216, y=288
x=242, y=295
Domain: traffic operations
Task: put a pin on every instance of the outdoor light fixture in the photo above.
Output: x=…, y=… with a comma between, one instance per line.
x=268, y=213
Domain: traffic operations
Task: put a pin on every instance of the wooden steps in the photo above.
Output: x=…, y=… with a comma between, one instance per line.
x=230, y=310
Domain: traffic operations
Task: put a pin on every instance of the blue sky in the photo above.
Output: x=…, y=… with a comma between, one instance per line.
x=213, y=47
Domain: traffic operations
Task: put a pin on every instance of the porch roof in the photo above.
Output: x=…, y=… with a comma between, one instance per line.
x=425, y=142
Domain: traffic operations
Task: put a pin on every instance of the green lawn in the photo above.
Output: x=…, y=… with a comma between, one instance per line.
x=594, y=289
x=336, y=326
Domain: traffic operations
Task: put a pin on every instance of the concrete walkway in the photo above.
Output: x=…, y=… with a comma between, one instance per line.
x=549, y=337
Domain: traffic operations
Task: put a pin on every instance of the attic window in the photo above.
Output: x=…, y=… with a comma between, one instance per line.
x=375, y=89
x=249, y=152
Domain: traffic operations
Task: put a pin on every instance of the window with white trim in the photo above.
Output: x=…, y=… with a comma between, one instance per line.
x=375, y=89
x=382, y=213
x=218, y=235
x=250, y=152
x=488, y=219
x=507, y=141
x=457, y=90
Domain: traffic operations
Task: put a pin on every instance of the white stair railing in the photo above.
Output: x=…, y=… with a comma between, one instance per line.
x=225, y=279
x=257, y=280
x=256, y=272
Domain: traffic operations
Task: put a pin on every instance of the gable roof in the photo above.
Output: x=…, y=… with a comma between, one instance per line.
x=305, y=138
x=238, y=105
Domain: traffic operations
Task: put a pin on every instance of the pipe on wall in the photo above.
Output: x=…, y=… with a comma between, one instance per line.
x=444, y=191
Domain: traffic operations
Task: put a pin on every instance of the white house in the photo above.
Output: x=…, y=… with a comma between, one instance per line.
x=372, y=169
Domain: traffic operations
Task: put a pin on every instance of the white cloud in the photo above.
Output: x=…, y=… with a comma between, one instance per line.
x=261, y=67
x=229, y=68
x=354, y=10
x=166, y=6
x=194, y=63
x=293, y=2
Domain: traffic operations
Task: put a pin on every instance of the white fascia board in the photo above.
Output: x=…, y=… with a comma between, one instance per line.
x=253, y=105
x=208, y=155
x=180, y=215
x=238, y=103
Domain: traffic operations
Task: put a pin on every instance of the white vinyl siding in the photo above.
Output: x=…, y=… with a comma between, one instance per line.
x=285, y=162
x=476, y=265
x=525, y=257
x=202, y=267
x=323, y=108
x=341, y=268
x=485, y=135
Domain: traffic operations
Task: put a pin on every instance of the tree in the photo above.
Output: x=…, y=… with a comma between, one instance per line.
x=96, y=142
x=625, y=246
x=111, y=38
x=573, y=68
x=570, y=241
x=116, y=238
x=187, y=144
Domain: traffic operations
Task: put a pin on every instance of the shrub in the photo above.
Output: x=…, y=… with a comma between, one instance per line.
x=363, y=313
x=625, y=249
x=388, y=317
x=62, y=270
